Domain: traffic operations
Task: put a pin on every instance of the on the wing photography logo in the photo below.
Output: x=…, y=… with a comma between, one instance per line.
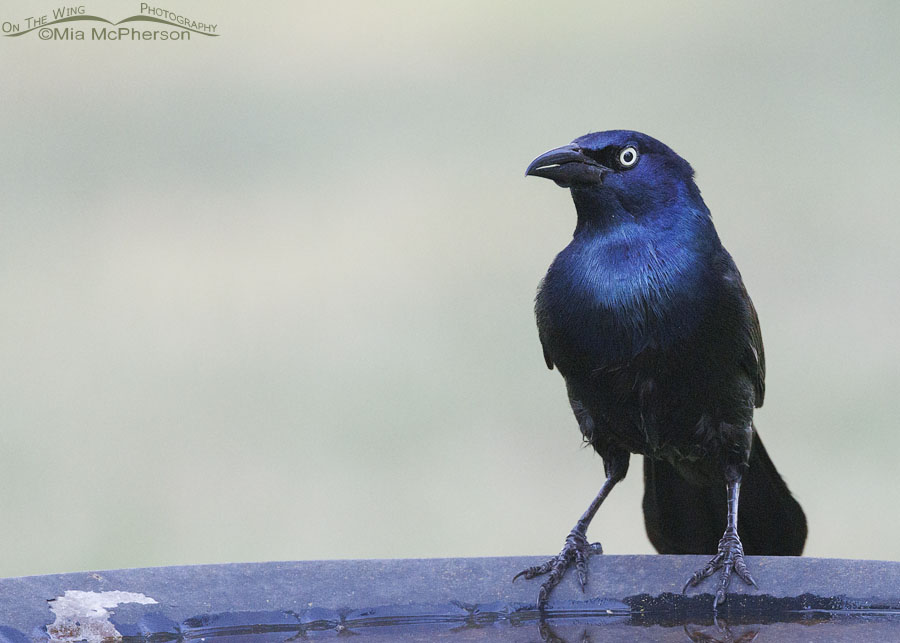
x=71, y=23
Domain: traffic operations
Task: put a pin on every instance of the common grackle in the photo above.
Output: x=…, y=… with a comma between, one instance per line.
x=647, y=319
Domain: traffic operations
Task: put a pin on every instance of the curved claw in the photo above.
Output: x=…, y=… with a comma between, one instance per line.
x=740, y=568
x=704, y=572
x=719, y=598
x=537, y=570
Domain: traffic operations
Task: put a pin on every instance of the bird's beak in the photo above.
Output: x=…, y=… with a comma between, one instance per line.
x=568, y=167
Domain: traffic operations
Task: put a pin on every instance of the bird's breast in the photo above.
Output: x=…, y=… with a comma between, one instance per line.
x=604, y=301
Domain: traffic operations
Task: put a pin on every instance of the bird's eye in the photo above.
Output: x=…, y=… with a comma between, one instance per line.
x=628, y=156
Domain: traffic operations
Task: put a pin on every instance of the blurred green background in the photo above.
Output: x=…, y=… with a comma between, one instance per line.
x=269, y=295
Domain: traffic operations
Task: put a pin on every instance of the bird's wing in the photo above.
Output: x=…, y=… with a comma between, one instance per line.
x=547, y=358
x=543, y=324
x=755, y=357
x=752, y=355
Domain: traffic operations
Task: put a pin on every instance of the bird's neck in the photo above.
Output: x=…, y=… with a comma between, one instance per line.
x=601, y=211
x=659, y=257
x=598, y=212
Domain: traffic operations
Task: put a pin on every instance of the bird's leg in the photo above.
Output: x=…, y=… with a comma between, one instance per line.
x=730, y=557
x=577, y=549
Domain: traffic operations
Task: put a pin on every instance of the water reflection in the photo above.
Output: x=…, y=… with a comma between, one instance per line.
x=850, y=630
x=830, y=629
x=723, y=635
x=606, y=621
x=718, y=632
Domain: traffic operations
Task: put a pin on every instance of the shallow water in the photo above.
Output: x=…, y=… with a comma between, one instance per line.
x=585, y=631
x=527, y=627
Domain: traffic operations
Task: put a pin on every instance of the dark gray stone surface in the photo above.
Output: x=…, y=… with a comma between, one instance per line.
x=457, y=598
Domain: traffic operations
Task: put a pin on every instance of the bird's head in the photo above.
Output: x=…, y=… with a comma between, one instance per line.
x=619, y=171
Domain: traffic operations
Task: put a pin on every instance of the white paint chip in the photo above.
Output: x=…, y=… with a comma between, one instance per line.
x=84, y=616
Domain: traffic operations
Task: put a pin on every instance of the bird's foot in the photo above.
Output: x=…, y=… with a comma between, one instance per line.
x=576, y=550
x=730, y=558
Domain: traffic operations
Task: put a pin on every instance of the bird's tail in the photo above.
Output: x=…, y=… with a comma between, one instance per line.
x=682, y=518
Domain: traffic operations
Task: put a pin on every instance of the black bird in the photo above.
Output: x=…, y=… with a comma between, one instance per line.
x=647, y=319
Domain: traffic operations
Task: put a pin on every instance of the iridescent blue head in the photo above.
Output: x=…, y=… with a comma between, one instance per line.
x=620, y=172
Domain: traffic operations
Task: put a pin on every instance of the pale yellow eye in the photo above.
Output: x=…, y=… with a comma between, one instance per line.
x=628, y=156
